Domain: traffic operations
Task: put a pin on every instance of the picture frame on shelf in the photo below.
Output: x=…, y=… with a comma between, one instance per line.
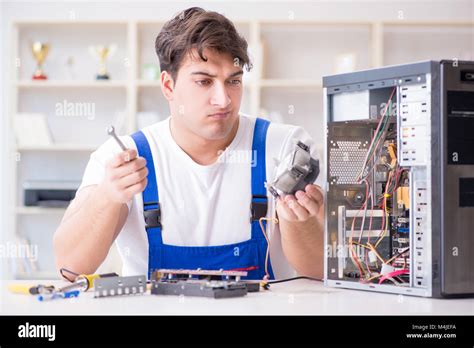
x=32, y=130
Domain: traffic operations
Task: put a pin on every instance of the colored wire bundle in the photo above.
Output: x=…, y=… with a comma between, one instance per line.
x=394, y=175
x=260, y=221
x=382, y=128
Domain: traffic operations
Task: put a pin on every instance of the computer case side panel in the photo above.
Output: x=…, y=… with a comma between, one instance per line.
x=457, y=238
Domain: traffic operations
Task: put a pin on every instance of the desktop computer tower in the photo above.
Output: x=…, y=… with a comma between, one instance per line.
x=399, y=157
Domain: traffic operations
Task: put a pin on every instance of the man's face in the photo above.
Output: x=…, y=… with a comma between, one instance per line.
x=206, y=96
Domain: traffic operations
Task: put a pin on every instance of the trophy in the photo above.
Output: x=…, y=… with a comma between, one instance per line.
x=102, y=52
x=40, y=51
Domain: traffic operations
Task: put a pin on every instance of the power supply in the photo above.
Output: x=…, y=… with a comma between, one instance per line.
x=399, y=156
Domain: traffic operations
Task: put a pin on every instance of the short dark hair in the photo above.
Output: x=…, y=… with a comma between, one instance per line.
x=196, y=28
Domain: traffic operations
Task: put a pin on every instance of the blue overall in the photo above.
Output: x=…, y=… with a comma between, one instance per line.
x=248, y=255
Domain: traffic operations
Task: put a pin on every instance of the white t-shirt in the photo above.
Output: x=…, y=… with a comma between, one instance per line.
x=200, y=205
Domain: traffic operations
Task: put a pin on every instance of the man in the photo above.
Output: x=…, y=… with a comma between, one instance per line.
x=195, y=195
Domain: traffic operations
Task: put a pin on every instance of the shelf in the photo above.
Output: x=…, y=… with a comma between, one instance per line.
x=60, y=147
x=148, y=83
x=318, y=48
x=39, y=211
x=290, y=83
x=70, y=84
x=91, y=84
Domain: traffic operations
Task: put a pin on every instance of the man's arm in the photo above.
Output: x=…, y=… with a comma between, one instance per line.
x=97, y=214
x=301, y=220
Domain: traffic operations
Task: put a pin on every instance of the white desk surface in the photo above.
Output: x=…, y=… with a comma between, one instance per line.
x=300, y=297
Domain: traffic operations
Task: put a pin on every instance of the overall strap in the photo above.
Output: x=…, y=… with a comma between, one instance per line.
x=259, y=203
x=151, y=205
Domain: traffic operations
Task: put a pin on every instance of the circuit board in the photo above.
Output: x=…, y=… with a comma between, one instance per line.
x=203, y=283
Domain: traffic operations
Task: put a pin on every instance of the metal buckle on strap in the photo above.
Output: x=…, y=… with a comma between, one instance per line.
x=258, y=209
x=152, y=217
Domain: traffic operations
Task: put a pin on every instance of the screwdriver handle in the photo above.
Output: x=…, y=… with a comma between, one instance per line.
x=20, y=288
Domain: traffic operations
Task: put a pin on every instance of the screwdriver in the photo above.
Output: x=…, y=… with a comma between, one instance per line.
x=84, y=282
x=55, y=295
x=30, y=290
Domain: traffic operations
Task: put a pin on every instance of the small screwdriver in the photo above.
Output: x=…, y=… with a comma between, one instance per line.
x=55, y=295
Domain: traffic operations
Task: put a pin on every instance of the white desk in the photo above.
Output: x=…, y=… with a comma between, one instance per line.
x=300, y=297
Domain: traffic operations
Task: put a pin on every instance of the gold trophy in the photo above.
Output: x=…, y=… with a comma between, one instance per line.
x=102, y=53
x=40, y=51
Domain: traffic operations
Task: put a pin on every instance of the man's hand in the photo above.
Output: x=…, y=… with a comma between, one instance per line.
x=303, y=206
x=301, y=219
x=98, y=213
x=125, y=176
